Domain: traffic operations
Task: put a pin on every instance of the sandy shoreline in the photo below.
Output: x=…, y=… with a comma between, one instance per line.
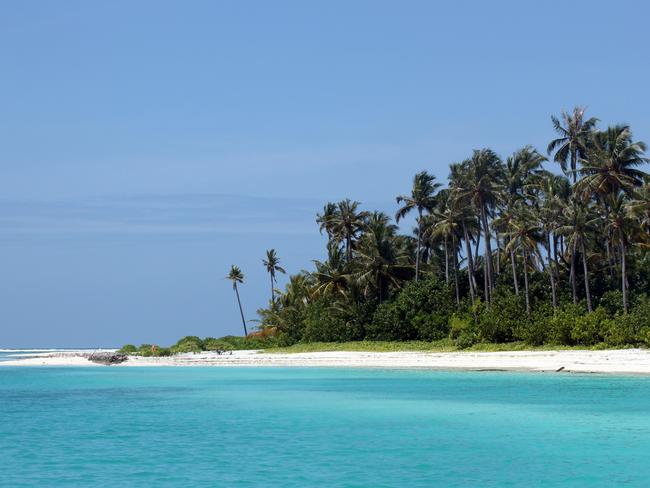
x=626, y=361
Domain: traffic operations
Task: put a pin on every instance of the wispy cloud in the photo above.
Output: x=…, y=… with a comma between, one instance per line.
x=163, y=214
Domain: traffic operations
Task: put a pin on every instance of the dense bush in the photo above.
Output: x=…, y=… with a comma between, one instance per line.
x=462, y=329
x=420, y=311
x=326, y=322
x=588, y=329
x=188, y=344
x=152, y=350
x=212, y=344
x=498, y=321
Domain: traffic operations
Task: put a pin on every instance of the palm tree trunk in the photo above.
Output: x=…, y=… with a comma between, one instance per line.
x=417, y=252
x=488, y=252
x=446, y=261
x=348, y=247
x=586, y=270
x=455, y=251
x=272, y=290
x=514, y=272
x=478, y=241
x=550, y=270
x=470, y=263
x=241, y=311
x=496, y=237
x=623, y=276
x=572, y=275
x=574, y=158
x=608, y=245
x=556, y=265
x=526, y=280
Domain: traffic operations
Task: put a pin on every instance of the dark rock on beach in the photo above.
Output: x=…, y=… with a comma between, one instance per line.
x=107, y=358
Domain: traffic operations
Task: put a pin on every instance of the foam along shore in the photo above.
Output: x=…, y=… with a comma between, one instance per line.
x=625, y=361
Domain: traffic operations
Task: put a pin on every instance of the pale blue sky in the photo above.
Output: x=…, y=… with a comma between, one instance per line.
x=147, y=145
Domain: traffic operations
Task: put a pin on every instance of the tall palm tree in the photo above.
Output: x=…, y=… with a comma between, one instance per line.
x=574, y=135
x=347, y=223
x=272, y=264
x=620, y=225
x=611, y=163
x=236, y=276
x=448, y=225
x=578, y=224
x=481, y=188
x=525, y=234
x=421, y=199
x=469, y=222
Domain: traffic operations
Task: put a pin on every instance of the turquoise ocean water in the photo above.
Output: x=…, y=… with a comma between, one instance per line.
x=252, y=427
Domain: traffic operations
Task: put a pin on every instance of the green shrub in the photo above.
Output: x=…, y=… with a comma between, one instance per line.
x=612, y=302
x=498, y=321
x=151, y=350
x=128, y=349
x=630, y=328
x=562, y=323
x=535, y=330
x=326, y=322
x=589, y=329
x=212, y=344
x=420, y=311
x=463, y=331
x=388, y=325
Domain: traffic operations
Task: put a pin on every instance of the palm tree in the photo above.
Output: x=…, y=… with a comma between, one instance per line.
x=620, y=225
x=481, y=187
x=346, y=223
x=236, y=276
x=272, y=264
x=326, y=220
x=577, y=225
x=381, y=264
x=611, y=163
x=525, y=236
x=421, y=199
x=331, y=275
x=639, y=207
x=448, y=225
x=574, y=138
x=469, y=222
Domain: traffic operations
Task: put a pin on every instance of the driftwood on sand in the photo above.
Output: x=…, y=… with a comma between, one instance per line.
x=107, y=358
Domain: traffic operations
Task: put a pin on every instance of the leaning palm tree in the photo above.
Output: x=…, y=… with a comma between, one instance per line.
x=236, y=276
x=421, y=199
x=272, y=264
x=573, y=139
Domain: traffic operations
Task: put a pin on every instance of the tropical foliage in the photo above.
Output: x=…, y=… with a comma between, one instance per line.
x=508, y=250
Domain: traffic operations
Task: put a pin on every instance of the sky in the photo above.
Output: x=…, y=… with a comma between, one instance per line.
x=145, y=146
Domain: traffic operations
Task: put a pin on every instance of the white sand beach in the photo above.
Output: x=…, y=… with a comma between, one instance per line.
x=626, y=361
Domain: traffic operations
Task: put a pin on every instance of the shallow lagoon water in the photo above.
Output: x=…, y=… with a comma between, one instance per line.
x=253, y=427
